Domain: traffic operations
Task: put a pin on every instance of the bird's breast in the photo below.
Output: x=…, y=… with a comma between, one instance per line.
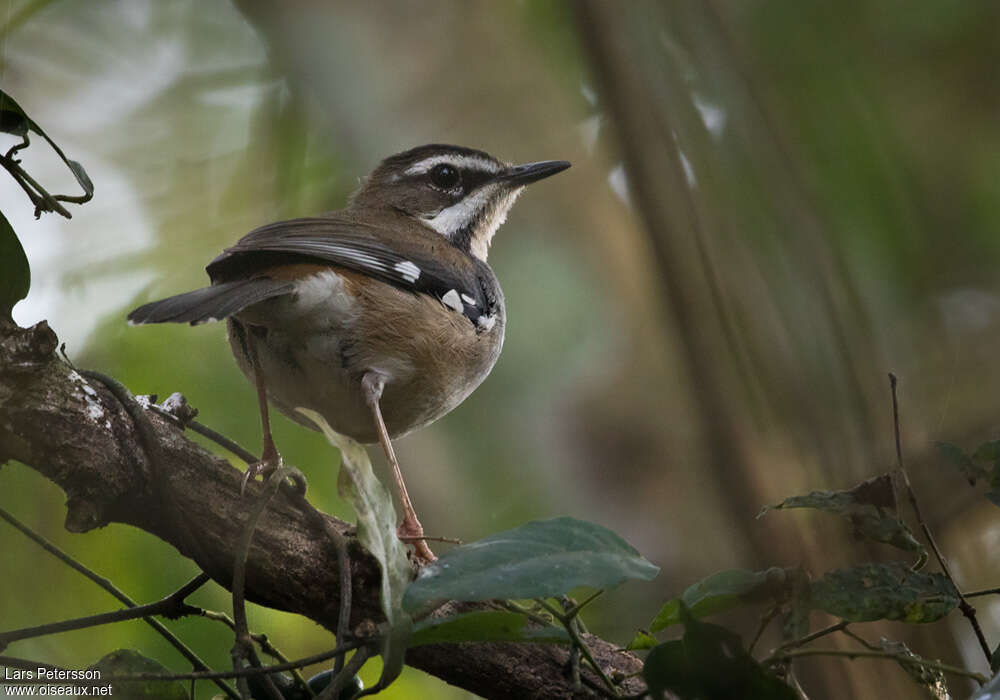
x=315, y=345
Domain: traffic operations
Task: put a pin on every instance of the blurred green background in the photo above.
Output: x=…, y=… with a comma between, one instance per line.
x=772, y=204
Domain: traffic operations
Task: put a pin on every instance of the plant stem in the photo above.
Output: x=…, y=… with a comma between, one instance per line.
x=963, y=604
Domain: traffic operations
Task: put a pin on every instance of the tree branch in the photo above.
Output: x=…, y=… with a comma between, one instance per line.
x=78, y=435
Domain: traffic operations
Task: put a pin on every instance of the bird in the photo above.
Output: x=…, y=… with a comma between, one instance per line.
x=382, y=316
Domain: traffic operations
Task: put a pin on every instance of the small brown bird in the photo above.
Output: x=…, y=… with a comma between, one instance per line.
x=383, y=316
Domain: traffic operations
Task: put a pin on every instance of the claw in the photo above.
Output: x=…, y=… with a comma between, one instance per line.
x=264, y=468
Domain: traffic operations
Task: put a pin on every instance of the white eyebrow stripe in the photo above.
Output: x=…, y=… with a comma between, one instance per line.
x=459, y=161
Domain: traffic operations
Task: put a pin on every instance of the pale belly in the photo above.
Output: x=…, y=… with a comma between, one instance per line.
x=431, y=357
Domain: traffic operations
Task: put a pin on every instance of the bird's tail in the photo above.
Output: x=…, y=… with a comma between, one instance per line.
x=211, y=303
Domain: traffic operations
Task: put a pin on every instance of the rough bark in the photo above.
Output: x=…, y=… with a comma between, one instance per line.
x=76, y=433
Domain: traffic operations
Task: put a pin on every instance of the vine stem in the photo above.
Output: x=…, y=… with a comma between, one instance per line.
x=963, y=604
x=567, y=621
x=242, y=651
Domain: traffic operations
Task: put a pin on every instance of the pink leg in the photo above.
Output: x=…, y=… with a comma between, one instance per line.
x=411, y=530
x=269, y=459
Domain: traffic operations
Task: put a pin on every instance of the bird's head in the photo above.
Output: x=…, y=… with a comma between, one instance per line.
x=461, y=193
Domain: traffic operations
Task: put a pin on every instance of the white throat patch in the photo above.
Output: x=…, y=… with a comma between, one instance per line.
x=450, y=220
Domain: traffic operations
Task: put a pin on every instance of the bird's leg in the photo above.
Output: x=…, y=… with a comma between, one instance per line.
x=269, y=458
x=410, y=530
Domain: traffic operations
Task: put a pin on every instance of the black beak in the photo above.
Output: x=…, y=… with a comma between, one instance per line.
x=521, y=175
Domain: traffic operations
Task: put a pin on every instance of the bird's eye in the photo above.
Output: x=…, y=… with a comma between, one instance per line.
x=444, y=176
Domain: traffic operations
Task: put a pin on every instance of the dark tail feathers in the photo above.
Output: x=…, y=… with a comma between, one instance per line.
x=211, y=303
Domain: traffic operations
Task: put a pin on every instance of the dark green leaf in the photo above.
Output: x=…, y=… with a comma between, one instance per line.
x=987, y=452
x=126, y=661
x=485, y=626
x=641, y=641
x=870, y=507
x=15, y=275
x=13, y=119
x=994, y=492
x=539, y=559
x=970, y=470
x=722, y=591
x=709, y=663
x=884, y=591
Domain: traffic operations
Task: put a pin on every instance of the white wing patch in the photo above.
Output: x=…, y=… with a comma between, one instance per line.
x=453, y=301
x=409, y=271
x=459, y=161
x=468, y=300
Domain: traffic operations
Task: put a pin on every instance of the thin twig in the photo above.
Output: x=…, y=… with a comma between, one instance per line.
x=28, y=664
x=985, y=591
x=963, y=604
x=858, y=653
x=38, y=195
x=203, y=675
x=765, y=620
x=842, y=625
x=862, y=641
x=104, y=583
x=172, y=606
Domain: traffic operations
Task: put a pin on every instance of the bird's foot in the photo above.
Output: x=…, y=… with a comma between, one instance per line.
x=411, y=532
x=264, y=468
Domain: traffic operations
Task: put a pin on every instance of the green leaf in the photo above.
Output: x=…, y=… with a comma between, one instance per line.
x=870, y=507
x=709, y=663
x=641, y=641
x=15, y=274
x=539, y=559
x=377, y=534
x=722, y=591
x=889, y=591
x=126, y=661
x=485, y=626
x=970, y=470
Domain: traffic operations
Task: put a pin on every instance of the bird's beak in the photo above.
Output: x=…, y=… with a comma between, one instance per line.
x=520, y=175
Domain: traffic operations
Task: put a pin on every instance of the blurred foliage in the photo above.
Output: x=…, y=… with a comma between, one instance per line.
x=842, y=176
